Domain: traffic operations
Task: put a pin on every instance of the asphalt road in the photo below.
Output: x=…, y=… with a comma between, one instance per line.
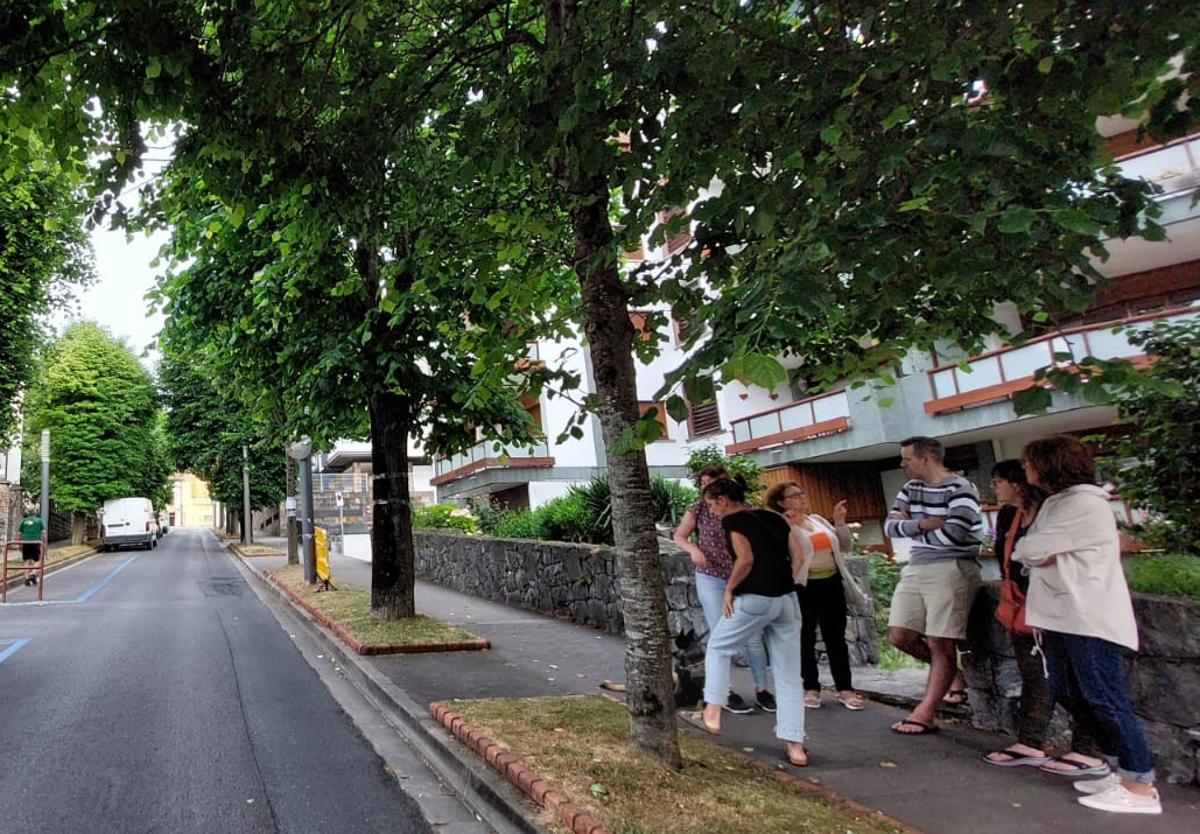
x=154, y=692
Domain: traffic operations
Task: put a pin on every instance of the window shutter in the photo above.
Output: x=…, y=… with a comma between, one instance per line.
x=703, y=419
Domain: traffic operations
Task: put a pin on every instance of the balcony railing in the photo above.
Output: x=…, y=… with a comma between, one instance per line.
x=1000, y=373
x=484, y=455
x=801, y=420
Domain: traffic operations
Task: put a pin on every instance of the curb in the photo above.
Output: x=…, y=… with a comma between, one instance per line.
x=491, y=798
x=518, y=774
x=378, y=648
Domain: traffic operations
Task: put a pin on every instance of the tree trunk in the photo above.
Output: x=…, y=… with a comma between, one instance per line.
x=393, y=573
x=78, y=527
x=293, y=542
x=610, y=334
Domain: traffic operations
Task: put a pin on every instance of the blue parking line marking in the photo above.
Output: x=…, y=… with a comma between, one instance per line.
x=14, y=647
x=104, y=581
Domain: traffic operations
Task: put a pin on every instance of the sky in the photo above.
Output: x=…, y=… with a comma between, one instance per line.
x=117, y=299
x=123, y=276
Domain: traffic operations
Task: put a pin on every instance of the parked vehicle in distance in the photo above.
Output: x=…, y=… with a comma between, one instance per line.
x=128, y=522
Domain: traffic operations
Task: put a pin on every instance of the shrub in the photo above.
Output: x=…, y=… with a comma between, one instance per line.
x=565, y=519
x=442, y=517
x=1172, y=575
x=487, y=514
x=671, y=499
x=516, y=524
x=711, y=455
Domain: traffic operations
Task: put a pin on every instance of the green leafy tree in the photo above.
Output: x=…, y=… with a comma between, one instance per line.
x=44, y=253
x=207, y=430
x=1162, y=454
x=100, y=405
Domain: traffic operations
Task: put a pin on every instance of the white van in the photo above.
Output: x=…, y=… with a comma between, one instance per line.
x=128, y=522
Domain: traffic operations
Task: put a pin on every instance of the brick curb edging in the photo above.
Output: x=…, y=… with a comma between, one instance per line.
x=517, y=772
x=379, y=648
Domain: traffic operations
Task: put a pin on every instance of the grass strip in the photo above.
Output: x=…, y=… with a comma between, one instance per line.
x=258, y=550
x=350, y=607
x=581, y=745
x=1171, y=575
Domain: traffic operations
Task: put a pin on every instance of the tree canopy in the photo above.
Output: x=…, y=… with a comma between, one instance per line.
x=44, y=253
x=207, y=429
x=106, y=427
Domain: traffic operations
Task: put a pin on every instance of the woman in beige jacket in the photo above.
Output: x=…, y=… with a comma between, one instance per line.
x=1079, y=602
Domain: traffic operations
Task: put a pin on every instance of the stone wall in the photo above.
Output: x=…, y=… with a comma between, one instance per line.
x=1163, y=680
x=579, y=583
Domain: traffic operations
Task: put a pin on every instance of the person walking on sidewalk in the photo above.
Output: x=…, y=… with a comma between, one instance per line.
x=823, y=587
x=939, y=511
x=31, y=550
x=1080, y=602
x=758, y=599
x=713, y=563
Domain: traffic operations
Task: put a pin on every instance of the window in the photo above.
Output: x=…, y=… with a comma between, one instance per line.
x=677, y=242
x=703, y=419
x=661, y=416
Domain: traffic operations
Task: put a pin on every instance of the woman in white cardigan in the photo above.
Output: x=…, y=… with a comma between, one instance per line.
x=1079, y=604
x=823, y=587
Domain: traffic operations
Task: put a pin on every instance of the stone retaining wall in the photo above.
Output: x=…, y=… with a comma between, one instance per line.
x=1163, y=680
x=579, y=583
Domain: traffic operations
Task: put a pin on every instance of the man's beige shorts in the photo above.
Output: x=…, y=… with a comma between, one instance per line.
x=935, y=599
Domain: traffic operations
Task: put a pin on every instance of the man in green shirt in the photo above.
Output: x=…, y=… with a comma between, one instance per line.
x=31, y=550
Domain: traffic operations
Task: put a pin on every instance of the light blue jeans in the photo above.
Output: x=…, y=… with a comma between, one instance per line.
x=711, y=592
x=778, y=620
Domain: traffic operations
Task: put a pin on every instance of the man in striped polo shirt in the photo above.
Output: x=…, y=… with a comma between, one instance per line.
x=939, y=511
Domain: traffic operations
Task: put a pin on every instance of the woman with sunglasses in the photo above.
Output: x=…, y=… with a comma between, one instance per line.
x=823, y=586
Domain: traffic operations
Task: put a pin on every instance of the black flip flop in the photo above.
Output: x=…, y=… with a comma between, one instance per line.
x=926, y=729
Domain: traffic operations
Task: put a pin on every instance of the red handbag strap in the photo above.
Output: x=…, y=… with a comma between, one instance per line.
x=1013, y=529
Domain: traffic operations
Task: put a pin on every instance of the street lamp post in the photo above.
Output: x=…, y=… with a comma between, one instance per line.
x=247, y=519
x=301, y=452
x=45, y=508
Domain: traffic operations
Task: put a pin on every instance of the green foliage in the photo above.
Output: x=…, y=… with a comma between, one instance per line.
x=517, y=524
x=442, y=517
x=884, y=577
x=207, y=430
x=1176, y=575
x=44, y=253
x=1163, y=475
x=106, y=431
x=583, y=515
x=743, y=465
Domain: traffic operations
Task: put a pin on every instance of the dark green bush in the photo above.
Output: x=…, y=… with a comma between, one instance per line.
x=712, y=455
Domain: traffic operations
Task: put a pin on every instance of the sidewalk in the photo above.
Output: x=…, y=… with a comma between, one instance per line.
x=936, y=783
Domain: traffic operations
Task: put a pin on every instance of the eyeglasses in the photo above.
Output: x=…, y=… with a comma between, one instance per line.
x=796, y=493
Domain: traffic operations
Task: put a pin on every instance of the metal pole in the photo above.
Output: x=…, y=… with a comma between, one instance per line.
x=46, y=480
x=247, y=519
x=307, y=518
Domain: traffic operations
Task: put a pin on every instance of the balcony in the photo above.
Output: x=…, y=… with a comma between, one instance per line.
x=795, y=422
x=483, y=455
x=999, y=374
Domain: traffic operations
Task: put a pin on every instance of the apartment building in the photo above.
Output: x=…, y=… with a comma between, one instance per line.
x=844, y=444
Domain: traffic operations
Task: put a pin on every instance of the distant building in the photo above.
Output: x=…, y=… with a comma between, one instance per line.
x=191, y=504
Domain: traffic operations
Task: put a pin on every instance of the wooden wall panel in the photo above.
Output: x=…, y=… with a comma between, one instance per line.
x=826, y=484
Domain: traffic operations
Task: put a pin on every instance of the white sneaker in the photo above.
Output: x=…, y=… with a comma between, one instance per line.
x=1119, y=800
x=1106, y=783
